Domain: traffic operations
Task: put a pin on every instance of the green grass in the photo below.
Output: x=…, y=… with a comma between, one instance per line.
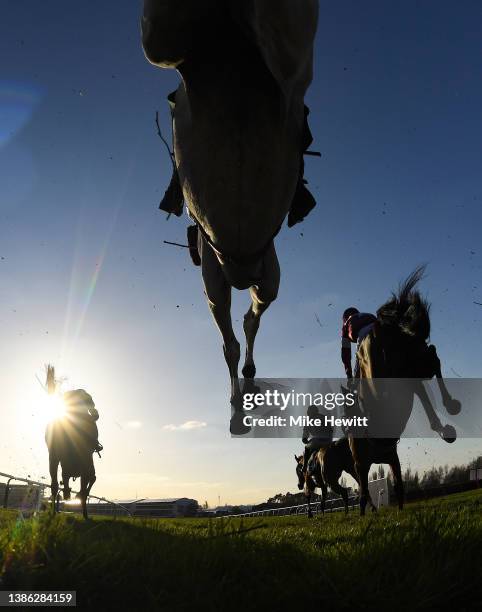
x=428, y=556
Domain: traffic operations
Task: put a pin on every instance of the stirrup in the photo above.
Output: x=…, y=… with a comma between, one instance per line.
x=303, y=203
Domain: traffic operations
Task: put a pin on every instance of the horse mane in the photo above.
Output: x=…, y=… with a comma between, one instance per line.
x=407, y=310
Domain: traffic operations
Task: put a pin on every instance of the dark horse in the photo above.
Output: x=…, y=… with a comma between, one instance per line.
x=396, y=348
x=330, y=462
x=71, y=440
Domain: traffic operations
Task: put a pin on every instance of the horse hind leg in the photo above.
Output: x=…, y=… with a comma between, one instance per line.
x=397, y=480
x=218, y=294
x=354, y=475
x=87, y=481
x=92, y=480
x=66, y=482
x=84, y=494
x=262, y=295
x=332, y=480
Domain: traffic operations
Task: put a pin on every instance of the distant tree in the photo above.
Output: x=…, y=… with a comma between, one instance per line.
x=432, y=478
x=458, y=473
x=411, y=480
x=381, y=471
x=475, y=463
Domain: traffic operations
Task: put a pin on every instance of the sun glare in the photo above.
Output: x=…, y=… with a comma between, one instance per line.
x=52, y=407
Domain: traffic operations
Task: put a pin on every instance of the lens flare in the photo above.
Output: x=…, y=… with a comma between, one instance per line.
x=53, y=407
x=17, y=105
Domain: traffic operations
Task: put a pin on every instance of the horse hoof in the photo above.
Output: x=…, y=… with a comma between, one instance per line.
x=453, y=407
x=249, y=370
x=237, y=426
x=236, y=402
x=449, y=434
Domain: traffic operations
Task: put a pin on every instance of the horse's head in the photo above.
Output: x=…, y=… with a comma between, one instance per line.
x=299, y=472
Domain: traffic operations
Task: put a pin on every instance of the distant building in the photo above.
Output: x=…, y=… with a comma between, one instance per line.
x=227, y=510
x=169, y=508
x=20, y=497
x=177, y=507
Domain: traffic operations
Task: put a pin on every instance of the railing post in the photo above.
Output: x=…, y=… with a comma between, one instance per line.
x=7, y=491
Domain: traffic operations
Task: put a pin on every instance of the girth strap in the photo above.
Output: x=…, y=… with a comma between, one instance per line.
x=239, y=261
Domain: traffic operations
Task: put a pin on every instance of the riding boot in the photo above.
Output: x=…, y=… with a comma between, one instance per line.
x=306, y=458
x=192, y=235
x=173, y=199
x=303, y=201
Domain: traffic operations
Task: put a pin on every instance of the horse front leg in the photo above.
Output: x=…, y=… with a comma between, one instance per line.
x=54, y=483
x=309, y=489
x=362, y=470
x=310, y=512
x=262, y=295
x=324, y=493
x=218, y=294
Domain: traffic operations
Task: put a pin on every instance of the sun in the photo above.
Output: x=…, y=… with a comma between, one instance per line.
x=52, y=408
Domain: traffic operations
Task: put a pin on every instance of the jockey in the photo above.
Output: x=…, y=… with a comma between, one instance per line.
x=315, y=437
x=80, y=408
x=356, y=326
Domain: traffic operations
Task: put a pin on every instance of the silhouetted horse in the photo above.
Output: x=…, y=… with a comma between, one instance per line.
x=331, y=461
x=239, y=136
x=396, y=348
x=71, y=440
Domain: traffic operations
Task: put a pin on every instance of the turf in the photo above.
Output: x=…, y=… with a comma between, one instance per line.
x=427, y=557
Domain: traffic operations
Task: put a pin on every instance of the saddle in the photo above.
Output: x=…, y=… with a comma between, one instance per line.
x=303, y=201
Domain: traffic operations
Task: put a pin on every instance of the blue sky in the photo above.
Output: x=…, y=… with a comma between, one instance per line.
x=85, y=281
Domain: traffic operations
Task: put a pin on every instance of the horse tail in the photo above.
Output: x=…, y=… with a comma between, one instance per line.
x=406, y=288
x=406, y=309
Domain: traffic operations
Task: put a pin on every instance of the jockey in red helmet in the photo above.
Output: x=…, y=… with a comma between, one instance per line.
x=356, y=326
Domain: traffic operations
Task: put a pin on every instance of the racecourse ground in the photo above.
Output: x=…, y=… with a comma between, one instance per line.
x=427, y=557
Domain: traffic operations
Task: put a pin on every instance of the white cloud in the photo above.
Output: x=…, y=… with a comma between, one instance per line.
x=186, y=426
